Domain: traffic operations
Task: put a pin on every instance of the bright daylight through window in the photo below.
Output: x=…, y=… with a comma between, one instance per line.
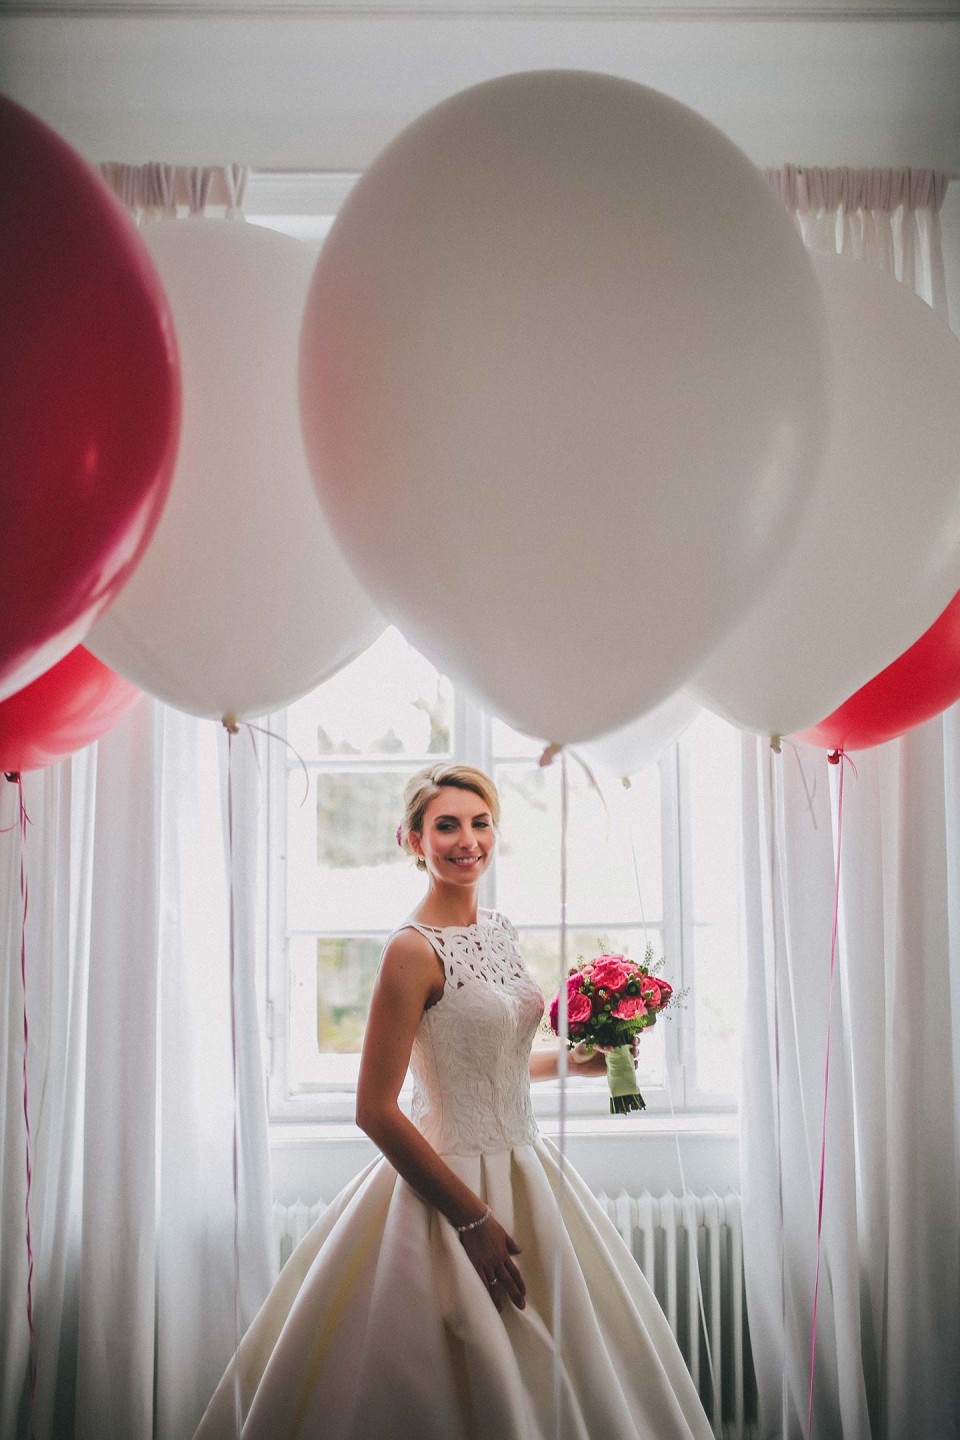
x=653, y=862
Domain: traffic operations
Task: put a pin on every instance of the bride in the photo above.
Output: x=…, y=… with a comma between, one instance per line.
x=462, y=1287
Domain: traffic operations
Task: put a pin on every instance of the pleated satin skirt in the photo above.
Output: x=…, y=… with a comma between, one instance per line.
x=379, y=1328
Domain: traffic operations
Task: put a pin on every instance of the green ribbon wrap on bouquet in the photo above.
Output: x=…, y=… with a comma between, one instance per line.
x=622, y=1079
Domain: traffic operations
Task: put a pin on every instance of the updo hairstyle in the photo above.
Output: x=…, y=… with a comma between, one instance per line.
x=421, y=788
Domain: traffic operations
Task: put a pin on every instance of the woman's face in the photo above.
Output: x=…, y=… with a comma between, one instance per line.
x=457, y=838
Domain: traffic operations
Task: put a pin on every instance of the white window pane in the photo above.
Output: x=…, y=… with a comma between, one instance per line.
x=331, y=982
x=307, y=1067
x=345, y=870
x=348, y=883
x=602, y=882
x=713, y=751
x=389, y=701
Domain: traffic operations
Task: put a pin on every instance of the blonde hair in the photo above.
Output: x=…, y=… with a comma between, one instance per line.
x=421, y=788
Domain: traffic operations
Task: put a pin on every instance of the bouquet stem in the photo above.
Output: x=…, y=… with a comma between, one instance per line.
x=622, y=1079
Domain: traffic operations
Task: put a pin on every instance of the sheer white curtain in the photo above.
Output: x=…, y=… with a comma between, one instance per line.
x=888, y=1333
x=130, y=1065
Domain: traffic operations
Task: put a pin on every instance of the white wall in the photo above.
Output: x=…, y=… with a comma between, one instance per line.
x=325, y=92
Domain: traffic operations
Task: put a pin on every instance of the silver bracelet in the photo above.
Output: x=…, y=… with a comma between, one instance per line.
x=474, y=1224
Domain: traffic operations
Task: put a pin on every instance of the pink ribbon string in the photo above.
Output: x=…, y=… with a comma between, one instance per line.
x=237, y=1401
x=837, y=757
x=558, y=1276
x=21, y=823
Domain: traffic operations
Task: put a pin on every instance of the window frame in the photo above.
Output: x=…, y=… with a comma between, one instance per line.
x=329, y=1104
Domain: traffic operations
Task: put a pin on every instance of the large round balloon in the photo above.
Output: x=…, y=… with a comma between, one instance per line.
x=918, y=685
x=243, y=601
x=69, y=706
x=878, y=558
x=89, y=398
x=627, y=751
x=562, y=385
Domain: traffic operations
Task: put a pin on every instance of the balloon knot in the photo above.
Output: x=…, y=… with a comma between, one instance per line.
x=775, y=744
x=625, y=781
x=231, y=724
x=834, y=757
x=549, y=754
x=12, y=775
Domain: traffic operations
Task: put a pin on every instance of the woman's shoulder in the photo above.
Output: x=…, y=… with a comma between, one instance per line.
x=408, y=956
x=407, y=941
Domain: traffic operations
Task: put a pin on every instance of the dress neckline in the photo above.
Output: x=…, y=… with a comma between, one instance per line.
x=463, y=929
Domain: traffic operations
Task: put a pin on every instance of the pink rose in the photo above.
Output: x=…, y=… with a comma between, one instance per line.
x=610, y=972
x=630, y=1007
x=575, y=982
x=650, y=990
x=666, y=991
x=579, y=1009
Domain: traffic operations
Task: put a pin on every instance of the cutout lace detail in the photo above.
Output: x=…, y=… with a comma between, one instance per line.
x=485, y=951
x=471, y=1053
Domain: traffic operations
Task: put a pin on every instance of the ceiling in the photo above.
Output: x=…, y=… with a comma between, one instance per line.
x=318, y=86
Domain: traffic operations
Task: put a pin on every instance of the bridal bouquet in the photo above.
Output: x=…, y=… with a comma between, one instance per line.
x=609, y=1000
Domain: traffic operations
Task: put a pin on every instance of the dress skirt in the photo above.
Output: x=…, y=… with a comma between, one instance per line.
x=379, y=1326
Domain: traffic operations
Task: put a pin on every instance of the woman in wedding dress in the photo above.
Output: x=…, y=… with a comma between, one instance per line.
x=461, y=1287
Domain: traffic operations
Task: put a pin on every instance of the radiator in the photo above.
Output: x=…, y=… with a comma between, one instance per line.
x=673, y=1238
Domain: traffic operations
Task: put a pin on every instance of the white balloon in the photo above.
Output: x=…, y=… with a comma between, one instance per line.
x=631, y=749
x=562, y=386
x=243, y=600
x=878, y=558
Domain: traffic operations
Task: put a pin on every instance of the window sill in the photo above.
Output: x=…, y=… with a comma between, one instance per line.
x=724, y=1124
x=611, y=1153
x=330, y=1112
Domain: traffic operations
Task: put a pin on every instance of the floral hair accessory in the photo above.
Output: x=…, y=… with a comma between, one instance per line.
x=399, y=834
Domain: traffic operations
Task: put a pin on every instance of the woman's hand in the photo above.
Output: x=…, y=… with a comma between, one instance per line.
x=592, y=1060
x=490, y=1250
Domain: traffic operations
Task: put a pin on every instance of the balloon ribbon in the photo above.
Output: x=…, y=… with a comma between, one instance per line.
x=676, y=1136
x=237, y=1402
x=836, y=757
x=562, y=1075
x=21, y=823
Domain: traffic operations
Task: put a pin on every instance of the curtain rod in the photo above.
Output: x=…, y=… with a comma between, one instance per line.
x=349, y=176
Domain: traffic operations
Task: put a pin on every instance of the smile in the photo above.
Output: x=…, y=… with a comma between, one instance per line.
x=466, y=860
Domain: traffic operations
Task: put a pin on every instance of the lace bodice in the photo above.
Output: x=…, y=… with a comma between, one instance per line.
x=471, y=1053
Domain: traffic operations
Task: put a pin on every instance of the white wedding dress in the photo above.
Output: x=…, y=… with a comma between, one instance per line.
x=379, y=1328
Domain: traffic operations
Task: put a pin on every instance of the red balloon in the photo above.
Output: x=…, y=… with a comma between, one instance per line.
x=68, y=707
x=914, y=688
x=89, y=396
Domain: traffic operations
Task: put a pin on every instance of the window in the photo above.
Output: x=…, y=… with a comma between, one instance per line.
x=654, y=861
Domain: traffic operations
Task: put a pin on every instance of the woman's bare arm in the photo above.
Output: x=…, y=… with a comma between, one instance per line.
x=408, y=978
x=544, y=1061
